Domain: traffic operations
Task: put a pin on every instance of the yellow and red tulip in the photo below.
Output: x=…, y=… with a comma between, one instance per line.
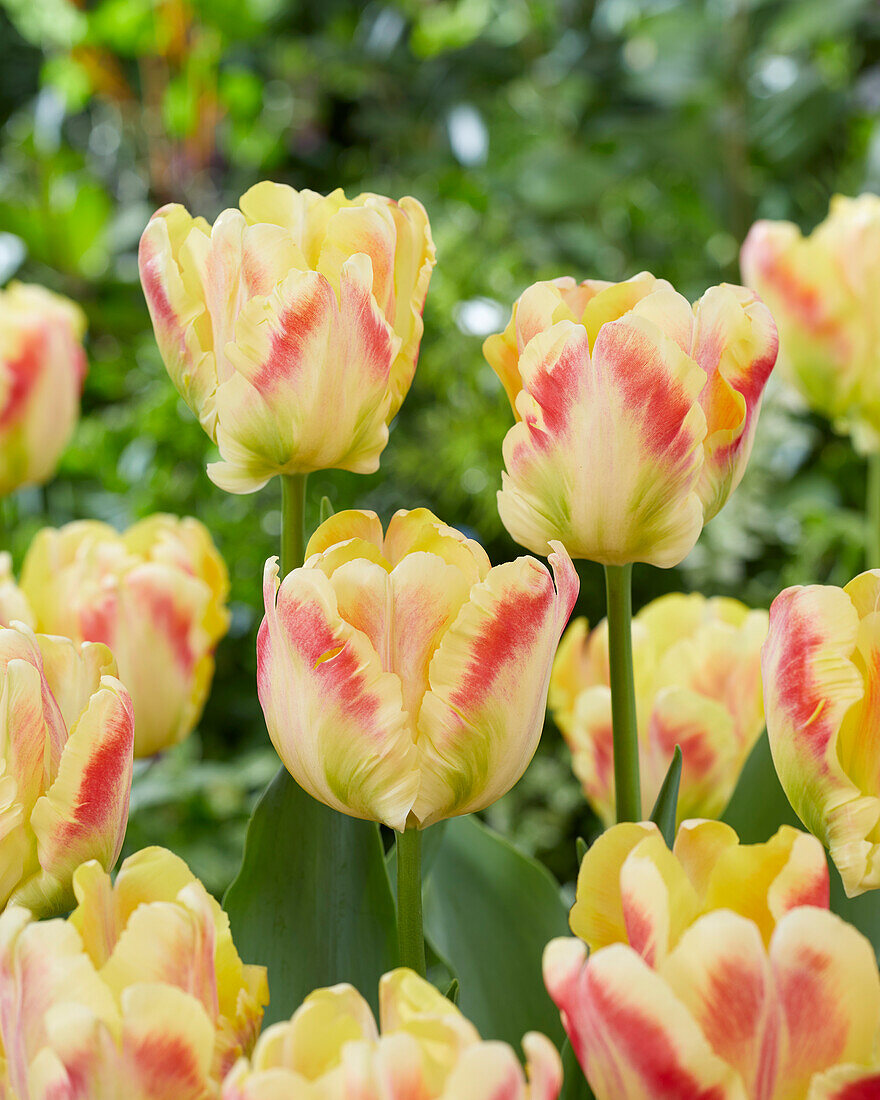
x=14, y=607
x=139, y=993
x=714, y=970
x=291, y=326
x=821, y=692
x=42, y=366
x=331, y=1049
x=402, y=678
x=156, y=595
x=697, y=671
x=635, y=413
x=823, y=290
x=66, y=737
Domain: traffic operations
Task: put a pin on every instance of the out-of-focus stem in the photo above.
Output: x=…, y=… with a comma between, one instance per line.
x=872, y=513
x=618, y=588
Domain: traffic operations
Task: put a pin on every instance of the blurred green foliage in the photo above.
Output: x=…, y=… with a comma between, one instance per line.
x=545, y=137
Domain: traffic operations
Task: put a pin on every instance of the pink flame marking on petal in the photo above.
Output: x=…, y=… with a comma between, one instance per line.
x=104, y=781
x=556, y=390
x=806, y=303
x=295, y=328
x=23, y=373
x=659, y=402
x=795, y=640
x=643, y=1044
x=515, y=626
x=161, y=1061
x=866, y=1089
x=640, y=932
x=173, y=622
x=809, y=1015
x=815, y=891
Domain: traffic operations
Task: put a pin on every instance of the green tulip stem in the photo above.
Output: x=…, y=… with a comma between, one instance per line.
x=618, y=588
x=293, y=506
x=872, y=513
x=410, y=937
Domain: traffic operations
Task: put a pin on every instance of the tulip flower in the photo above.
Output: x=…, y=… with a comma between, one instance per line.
x=156, y=595
x=42, y=366
x=331, y=1049
x=66, y=736
x=402, y=678
x=13, y=605
x=140, y=993
x=291, y=326
x=714, y=970
x=697, y=665
x=823, y=290
x=635, y=413
x=821, y=684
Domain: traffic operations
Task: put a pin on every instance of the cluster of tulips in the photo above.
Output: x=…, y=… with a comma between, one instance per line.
x=404, y=679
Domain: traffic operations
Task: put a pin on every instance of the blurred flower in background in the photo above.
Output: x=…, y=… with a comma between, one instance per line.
x=697, y=671
x=42, y=366
x=156, y=595
x=822, y=290
x=66, y=740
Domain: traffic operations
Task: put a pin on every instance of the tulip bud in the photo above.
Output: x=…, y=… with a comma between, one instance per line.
x=821, y=685
x=635, y=413
x=403, y=678
x=42, y=366
x=66, y=740
x=291, y=327
x=331, y=1047
x=714, y=970
x=697, y=671
x=156, y=595
x=140, y=993
x=823, y=290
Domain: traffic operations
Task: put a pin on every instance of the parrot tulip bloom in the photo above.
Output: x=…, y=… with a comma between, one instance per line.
x=291, y=327
x=697, y=667
x=821, y=692
x=140, y=993
x=331, y=1049
x=66, y=741
x=42, y=366
x=714, y=970
x=635, y=413
x=823, y=290
x=156, y=595
x=402, y=678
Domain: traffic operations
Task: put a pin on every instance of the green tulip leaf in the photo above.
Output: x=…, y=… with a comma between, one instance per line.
x=312, y=901
x=490, y=911
x=757, y=809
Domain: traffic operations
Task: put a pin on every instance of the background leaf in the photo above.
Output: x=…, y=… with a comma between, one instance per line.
x=312, y=901
x=490, y=911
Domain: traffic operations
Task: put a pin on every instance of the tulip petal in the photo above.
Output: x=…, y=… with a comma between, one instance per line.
x=657, y=899
x=735, y=342
x=480, y=720
x=597, y=916
x=720, y=971
x=810, y=685
x=633, y=1038
x=846, y=1083
x=826, y=974
x=335, y=718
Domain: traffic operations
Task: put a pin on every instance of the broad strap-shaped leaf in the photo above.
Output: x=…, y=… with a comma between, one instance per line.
x=312, y=900
x=490, y=910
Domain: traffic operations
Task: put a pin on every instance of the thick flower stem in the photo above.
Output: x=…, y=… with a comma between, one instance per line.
x=293, y=503
x=410, y=937
x=618, y=588
x=872, y=513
